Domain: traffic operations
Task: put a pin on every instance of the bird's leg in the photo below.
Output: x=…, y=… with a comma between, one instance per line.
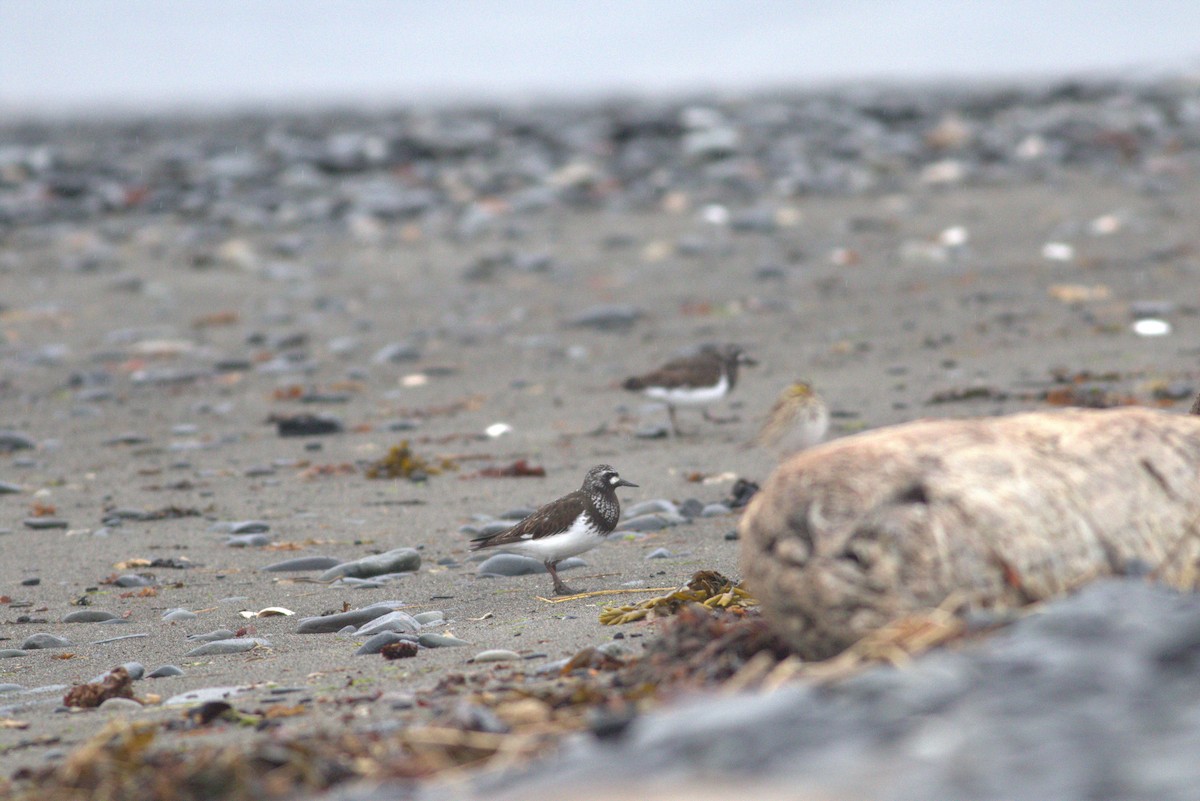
x=674, y=425
x=559, y=587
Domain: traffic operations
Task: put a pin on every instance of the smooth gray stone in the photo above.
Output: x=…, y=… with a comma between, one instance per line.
x=302, y=563
x=652, y=506
x=651, y=522
x=11, y=688
x=136, y=670
x=430, y=640
x=16, y=441
x=213, y=636
x=108, y=640
x=178, y=615
x=397, y=560
x=495, y=655
x=432, y=616
x=120, y=705
x=12, y=653
x=715, y=510
x=376, y=643
x=133, y=580
x=240, y=527
x=659, y=553
x=89, y=616
x=222, y=647
x=692, y=507
x=393, y=621
x=355, y=617
x=164, y=671
x=494, y=527
x=519, y=513
x=607, y=317
x=248, y=541
x=8, y=488
x=44, y=523
x=43, y=640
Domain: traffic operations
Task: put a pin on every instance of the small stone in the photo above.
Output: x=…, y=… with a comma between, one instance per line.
x=690, y=508
x=89, y=616
x=12, y=653
x=433, y=616
x=731, y=535
x=212, y=636
x=652, y=506
x=355, y=617
x=715, y=510
x=430, y=640
x=396, y=353
x=381, y=640
x=42, y=523
x=240, y=527
x=15, y=441
x=302, y=563
x=8, y=488
x=495, y=655
x=659, y=553
x=30, y=582
x=42, y=640
x=393, y=621
x=510, y=564
x=607, y=317
x=134, y=580
x=248, y=541
x=165, y=671
x=398, y=560
x=307, y=425
x=654, y=522
x=10, y=688
x=179, y=615
x=222, y=647
x=120, y=705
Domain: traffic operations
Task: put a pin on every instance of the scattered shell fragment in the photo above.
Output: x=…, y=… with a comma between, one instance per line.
x=1151, y=327
x=498, y=430
x=1058, y=251
x=270, y=611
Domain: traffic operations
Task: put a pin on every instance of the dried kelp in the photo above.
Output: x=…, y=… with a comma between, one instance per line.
x=707, y=588
x=402, y=462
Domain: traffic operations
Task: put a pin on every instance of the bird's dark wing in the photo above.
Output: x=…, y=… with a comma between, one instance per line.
x=550, y=519
x=693, y=371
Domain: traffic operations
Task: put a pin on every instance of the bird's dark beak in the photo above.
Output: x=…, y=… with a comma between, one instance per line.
x=623, y=483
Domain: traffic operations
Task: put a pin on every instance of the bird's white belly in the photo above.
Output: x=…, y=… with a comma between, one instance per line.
x=578, y=538
x=690, y=396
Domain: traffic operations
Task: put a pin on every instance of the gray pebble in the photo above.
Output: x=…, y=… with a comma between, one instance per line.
x=8, y=488
x=89, y=616
x=393, y=621
x=15, y=441
x=179, y=615
x=432, y=616
x=221, y=647
x=12, y=653
x=652, y=431
x=493, y=527
x=692, y=507
x=652, y=506
x=510, y=564
x=43, y=640
x=10, y=688
x=659, y=553
x=495, y=655
x=398, y=560
x=355, y=617
x=239, y=527
x=430, y=640
x=120, y=705
x=357, y=583
x=213, y=636
x=652, y=522
x=302, y=563
x=43, y=523
x=715, y=510
x=607, y=317
x=518, y=514
x=376, y=643
x=164, y=671
x=134, y=580
x=136, y=670
x=248, y=540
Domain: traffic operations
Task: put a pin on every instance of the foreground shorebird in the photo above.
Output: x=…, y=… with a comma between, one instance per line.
x=568, y=526
x=798, y=420
x=698, y=380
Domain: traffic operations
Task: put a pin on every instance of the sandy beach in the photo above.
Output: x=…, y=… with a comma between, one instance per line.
x=145, y=356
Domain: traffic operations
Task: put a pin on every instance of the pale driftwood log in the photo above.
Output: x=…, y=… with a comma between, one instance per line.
x=997, y=511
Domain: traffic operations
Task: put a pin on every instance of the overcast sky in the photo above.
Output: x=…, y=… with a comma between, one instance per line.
x=71, y=54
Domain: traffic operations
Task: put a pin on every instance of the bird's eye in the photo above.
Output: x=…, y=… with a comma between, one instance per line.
x=613, y=478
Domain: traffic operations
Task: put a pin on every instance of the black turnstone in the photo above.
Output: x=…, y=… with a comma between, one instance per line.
x=568, y=526
x=697, y=380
